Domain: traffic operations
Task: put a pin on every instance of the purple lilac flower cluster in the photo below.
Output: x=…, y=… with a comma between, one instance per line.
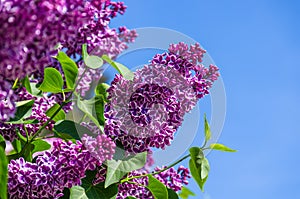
x=172, y=178
x=63, y=168
x=31, y=29
x=101, y=147
x=187, y=61
x=100, y=175
x=147, y=111
x=101, y=39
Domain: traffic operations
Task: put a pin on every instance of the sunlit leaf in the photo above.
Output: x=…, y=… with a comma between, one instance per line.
x=221, y=147
x=53, y=81
x=206, y=129
x=157, y=188
x=185, y=193
x=40, y=145
x=93, y=61
x=69, y=67
x=77, y=192
x=123, y=70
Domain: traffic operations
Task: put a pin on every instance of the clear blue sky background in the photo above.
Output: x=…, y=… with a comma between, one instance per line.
x=256, y=43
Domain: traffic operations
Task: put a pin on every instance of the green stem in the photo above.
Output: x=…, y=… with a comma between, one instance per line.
x=205, y=148
x=157, y=172
x=27, y=134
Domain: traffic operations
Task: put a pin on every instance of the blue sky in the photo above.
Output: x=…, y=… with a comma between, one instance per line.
x=257, y=47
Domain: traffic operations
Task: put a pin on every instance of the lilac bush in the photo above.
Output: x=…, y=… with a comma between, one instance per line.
x=52, y=55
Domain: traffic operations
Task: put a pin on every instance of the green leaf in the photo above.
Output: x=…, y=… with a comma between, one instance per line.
x=17, y=145
x=16, y=84
x=28, y=152
x=99, y=108
x=73, y=129
x=130, y=197
x=120, y=153
x=221, y=147
x=3, y=174
x=66, y=193
x=61, y=115
x=53, y=81
x=172, y=194
x=195, y=165
x=196, y=154
x=101, y=89
x=158, y=189
x=27, y=85
x=116, y=169
x=204, y=168
x=89, y=108
x=77, y=192
x=93, y=61
x=35, y=90
x=196, y=173
x=69, y=67
x=123, y=70
x=185, y=193
x=98, y=191
x=2, y=142
x=206, y=129
x=24, y=109
x=40, y=145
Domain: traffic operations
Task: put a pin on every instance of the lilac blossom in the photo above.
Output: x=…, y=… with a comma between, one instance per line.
x=63, y=168
x=101, y=147
x=100, y=175
x=97, y=34
x=172, y=178
x=147, y=111
x=187, y=61
x=31, y=29
x=193, y=53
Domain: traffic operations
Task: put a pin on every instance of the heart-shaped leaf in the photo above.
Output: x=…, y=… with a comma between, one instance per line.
x=53, y=81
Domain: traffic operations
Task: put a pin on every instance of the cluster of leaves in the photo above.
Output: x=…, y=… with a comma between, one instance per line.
x=117, y=168
x=54, y=82
x=198, y=163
